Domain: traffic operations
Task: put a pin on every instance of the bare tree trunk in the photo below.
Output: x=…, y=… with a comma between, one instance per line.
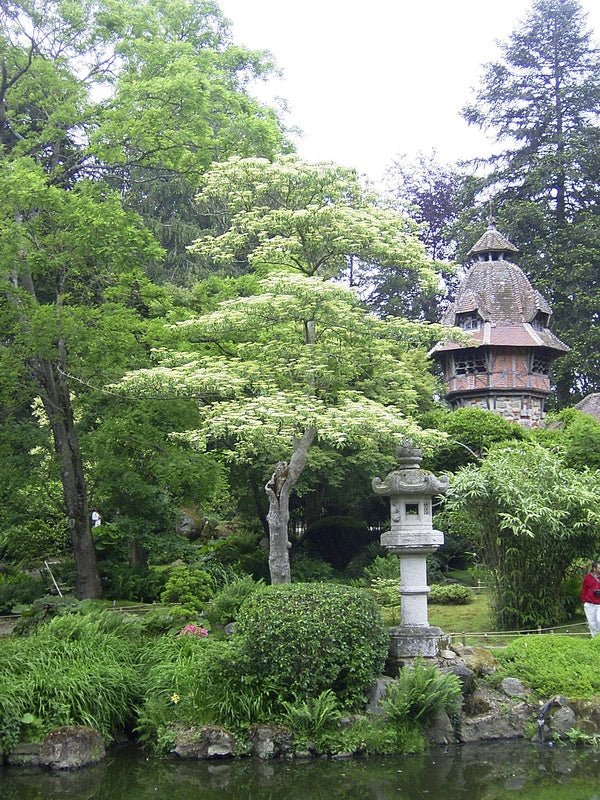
x=279, y=489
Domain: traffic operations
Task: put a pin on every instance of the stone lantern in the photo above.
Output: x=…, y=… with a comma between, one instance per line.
x=412, y=537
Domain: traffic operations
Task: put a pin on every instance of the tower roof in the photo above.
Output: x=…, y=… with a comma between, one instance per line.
x=503, y=306
x=492, y=241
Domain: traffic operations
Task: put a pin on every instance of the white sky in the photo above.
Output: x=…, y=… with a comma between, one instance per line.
x=366, y=81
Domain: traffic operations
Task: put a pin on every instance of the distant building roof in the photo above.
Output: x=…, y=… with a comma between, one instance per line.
x=590, y=405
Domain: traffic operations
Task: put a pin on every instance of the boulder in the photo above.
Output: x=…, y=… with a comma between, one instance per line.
x=376, y=693
x=512, y=687
x=489, y=715
x=480, y=660
x=464, y=674
x=562, y=721
x=208, y=742
x=71, y=747
x=588, y=715
x=270, y=741
x=440, y=730
x=24, y=754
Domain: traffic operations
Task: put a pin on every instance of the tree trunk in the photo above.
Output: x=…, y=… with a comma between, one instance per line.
x=279, y=489
x=54, y=393
x=50, y=381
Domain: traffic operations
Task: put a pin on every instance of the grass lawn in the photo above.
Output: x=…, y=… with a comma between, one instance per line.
x=458, y=619
x=451, y=618
x=461, y=620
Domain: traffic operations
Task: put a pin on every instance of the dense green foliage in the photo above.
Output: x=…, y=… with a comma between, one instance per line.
x=76, y=670
x=531, y=517
x=470, y=434
x=225, y=604
x=305, y=638
x=539, y=100
x=338, y=539
x=554, y=665
x=114, y=116
x=450, y=594
x=188, y=586
x=419, y=693
x=197, y=681
x=19, y=589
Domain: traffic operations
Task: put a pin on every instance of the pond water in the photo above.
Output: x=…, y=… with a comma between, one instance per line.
x=499, y=771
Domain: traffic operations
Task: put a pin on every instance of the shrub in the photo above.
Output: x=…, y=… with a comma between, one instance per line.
x=305, y=638
x=554, y=664
x=122, y=581
x=307, y=570
x=197, y=681
x=241, y=552
x=534, y=517
x=224, y=606
x=376, y=735
x=419, y=693
x=190, y=587
x=450, y=594
x=311, y=718
x=386, y=591
x=42, y=610
x=19, y=589
x=166, y=620
x=387, y=566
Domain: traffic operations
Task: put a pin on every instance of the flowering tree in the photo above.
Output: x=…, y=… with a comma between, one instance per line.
x=298, y=365
x=301, y=362
x=316, y=219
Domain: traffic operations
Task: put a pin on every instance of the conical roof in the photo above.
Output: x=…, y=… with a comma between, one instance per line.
x=500, y=292
x=492, y=241
x=590, y=405
x=512, y=312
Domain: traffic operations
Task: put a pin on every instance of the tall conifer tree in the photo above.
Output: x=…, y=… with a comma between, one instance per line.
x=540, y=101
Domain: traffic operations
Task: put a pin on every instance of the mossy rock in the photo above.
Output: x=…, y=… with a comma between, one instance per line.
x=481, y=661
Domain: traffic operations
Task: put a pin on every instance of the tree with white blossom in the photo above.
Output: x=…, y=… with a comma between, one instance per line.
x=302, y=363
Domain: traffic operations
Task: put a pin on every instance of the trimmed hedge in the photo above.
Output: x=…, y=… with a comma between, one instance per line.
x=302, y=639
x=450, y=594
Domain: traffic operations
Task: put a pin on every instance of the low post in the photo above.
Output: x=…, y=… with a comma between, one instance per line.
x=413, y=538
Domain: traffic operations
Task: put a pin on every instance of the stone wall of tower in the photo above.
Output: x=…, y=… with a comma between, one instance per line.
x=526, y=410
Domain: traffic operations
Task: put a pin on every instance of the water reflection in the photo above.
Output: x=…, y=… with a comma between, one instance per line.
x=482, y=772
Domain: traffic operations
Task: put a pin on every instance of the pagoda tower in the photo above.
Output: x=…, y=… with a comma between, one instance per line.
x=504, y=364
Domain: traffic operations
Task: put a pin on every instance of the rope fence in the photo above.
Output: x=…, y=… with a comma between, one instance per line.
x=493, y=638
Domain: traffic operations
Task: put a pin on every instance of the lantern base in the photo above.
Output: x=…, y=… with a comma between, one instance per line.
x=408, y=642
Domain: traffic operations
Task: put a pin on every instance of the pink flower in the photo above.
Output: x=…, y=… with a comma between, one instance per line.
x=193, y=630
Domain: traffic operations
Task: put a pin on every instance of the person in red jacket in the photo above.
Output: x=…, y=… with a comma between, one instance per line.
x=590, y=597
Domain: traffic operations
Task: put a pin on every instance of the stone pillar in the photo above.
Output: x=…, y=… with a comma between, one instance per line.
x=412, y=537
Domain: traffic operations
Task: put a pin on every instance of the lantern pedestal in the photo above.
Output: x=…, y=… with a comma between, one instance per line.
x=412, y=641
x=412, y=538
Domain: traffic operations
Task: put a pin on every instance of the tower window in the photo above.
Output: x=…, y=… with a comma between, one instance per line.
x=470, y=363
x=540, y=364
x=469, y=322
x=540, y=321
